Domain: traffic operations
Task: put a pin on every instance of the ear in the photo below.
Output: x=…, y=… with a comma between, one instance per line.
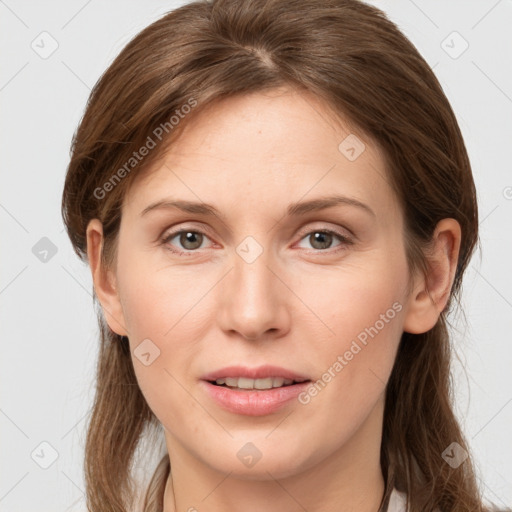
x=104, y=280
x=431, y=293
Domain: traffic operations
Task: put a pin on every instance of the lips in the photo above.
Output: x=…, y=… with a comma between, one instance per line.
x=246, y=383
x=260, y=372
x=251, y=391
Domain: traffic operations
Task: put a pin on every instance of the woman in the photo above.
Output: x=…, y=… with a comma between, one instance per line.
x=277, y=207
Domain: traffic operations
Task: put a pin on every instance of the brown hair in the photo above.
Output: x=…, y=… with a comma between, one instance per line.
x=351, y=56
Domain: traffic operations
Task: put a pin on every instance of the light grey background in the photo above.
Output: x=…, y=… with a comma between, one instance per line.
x=48, y=326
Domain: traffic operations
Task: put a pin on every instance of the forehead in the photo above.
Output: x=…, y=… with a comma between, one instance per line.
x=274, y=147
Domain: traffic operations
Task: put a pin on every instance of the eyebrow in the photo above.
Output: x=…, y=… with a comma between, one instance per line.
x=293, y=210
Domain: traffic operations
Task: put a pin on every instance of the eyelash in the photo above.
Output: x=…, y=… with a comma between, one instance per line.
x=169, y=236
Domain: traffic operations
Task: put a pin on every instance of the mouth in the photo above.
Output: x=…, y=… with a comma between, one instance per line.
x=254, y=391
x=247, y=384
x=254, y=401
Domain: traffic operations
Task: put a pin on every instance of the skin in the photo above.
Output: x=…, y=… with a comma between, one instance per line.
x=298, y=305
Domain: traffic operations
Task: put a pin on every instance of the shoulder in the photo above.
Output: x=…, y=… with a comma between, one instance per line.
x=397, y=501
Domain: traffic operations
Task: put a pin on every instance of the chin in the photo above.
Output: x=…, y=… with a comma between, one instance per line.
x=262, y=461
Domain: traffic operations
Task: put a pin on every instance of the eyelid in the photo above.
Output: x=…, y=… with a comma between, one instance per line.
x=172, y=232
x=343, y=232
x=302, y=232
x=178, y=228
x=345, y=239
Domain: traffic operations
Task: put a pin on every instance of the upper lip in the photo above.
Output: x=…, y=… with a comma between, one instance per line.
x=260, y=372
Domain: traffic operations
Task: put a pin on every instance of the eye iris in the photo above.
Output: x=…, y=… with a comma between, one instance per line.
x=187, y=238
x=321, y=237
x=192, y=240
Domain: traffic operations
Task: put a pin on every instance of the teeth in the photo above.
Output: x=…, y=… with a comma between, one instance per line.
x=277, y=382
x=245, y=383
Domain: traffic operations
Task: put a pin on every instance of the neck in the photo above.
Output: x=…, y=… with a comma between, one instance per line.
x=349, y=478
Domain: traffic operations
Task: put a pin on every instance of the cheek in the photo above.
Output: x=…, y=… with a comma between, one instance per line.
x=353, y=298
x=163, y=311
x=156, y=300
x=361, y=310
x=162, y=350
x=365, y=340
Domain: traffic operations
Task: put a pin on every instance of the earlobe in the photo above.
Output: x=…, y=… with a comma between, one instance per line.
x=431, y=292
x=104, y=280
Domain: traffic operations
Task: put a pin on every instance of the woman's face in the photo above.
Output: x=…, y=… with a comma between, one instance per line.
x=259, y=283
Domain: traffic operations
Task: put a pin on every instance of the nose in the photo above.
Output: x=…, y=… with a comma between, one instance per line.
x=253, y=300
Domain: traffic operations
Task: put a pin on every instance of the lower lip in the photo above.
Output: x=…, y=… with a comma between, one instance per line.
x=252, y=402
